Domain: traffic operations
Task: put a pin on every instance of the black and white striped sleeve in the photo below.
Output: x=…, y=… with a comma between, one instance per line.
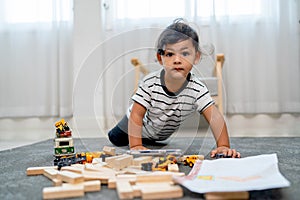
x=143, y=95
x=203, y=99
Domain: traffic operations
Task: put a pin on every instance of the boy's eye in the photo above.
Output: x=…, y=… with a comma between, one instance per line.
x=185, y=53
x=169, y=54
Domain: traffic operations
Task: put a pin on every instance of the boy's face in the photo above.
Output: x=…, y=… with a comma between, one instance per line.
x=179, y=58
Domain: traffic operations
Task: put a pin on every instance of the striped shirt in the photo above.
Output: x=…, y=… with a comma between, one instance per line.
x=166, y=111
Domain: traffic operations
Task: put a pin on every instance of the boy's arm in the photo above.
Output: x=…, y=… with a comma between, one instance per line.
x=135, y=125
x=219, y=129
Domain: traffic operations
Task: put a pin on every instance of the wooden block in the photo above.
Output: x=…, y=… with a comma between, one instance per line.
x=63, y=192
x=153, y=185
x=74, y=169
x=173, y=174
x=137, y=192
x=112, y=183
x=92, y=167
x=98, y=161
x=89, y=186
x=38, y=170
x=70, y=177
x=111, y=160
x=134, y=170
x=98, y=167
x=106, y=169
x=124, y=161
x=226, y=195
x=79, y=166
x=119, y=162
x=143, y=159
x=109, y=150
x=201, y=157
x=124, y=190
x=56, y=182
x=162, y=192
x=92, y=186
x=173, y=168
x=159, y=177
x=50, y=173
x=127, y=177
x=103, y=177
x=138, y=187
x=123, y=177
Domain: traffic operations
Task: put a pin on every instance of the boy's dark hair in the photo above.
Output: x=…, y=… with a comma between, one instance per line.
x=178, y=31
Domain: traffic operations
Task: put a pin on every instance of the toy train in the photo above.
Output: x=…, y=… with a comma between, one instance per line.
x=77, y=158
x=64, y=151
x=63, y=143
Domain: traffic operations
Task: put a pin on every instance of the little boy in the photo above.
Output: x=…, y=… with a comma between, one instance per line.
x=167, y=97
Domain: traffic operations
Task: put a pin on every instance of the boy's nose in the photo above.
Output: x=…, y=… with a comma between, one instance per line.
x=177, y=59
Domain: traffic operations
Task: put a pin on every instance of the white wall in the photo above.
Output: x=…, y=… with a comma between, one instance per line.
x=87, y=35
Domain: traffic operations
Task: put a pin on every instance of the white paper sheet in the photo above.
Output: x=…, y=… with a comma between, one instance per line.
x=232, y=174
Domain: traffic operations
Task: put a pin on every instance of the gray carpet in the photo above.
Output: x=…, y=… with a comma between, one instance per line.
x=16, y=185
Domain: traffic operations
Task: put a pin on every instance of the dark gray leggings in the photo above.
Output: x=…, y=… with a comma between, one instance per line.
x=119, y=134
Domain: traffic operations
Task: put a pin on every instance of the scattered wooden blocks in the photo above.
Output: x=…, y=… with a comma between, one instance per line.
x=38, y=170
x=226, y=195
x=112, y=182
x=50, y=173
x=92, y=186
x=74, y=168
x=89, y=186
x=155, y=177
x=122, y=172
x=109, y=150
x=90, y=176
x=70, y=177
x=148, y=190
x=111, y=160
x=63, y=192
x=159, y=192
x=138, y=187
x=123, y=162
x=124, y=190
x=119, y=162
x=56, y=182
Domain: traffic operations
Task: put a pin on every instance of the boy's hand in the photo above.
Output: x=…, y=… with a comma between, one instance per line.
x=226, y=151
x=139, y=147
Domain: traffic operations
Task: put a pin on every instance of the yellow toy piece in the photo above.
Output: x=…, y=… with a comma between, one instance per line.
x=191, y=159
x=165, y=161
x=62, y=129
x=91, y=155
x=60, y=124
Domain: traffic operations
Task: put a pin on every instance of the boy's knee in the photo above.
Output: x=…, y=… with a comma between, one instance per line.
x=118, y=138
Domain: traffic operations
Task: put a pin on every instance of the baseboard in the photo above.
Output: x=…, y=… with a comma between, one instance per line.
x=261, y=125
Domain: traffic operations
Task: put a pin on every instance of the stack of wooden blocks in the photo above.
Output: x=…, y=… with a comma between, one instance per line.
x=121, y=172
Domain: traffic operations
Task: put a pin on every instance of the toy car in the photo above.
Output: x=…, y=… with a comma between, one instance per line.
x=63, y=146
x=190, y=159
x=62, y=129
x=69, y=160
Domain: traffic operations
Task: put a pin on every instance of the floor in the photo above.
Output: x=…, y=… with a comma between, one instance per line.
x=16, y=185
x=29, y=131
